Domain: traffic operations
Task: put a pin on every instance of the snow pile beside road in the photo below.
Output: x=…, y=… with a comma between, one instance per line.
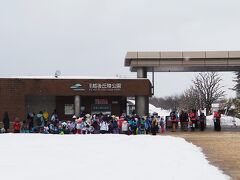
x=225, y=121
x=160, y=111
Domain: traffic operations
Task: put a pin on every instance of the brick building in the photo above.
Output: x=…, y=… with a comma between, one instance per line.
x=68, y=95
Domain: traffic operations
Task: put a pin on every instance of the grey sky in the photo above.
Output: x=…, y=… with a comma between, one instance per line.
x=91, y=37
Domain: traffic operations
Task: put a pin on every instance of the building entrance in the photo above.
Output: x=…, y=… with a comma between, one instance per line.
x=35, y=104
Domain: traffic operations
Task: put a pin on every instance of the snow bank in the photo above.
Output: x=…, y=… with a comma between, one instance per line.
x=103, y=157
x=225, y=121
x=154, y=109
x=160, y=111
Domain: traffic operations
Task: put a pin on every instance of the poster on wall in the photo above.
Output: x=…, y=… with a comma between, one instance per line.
x=69, y=109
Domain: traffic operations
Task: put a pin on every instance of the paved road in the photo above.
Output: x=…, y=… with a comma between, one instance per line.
x=221, y=148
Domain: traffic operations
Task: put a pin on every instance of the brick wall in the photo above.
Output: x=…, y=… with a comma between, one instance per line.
x=12, y=98
x=14, y=91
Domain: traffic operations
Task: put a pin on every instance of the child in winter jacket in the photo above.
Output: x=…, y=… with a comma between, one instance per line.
x=148, y=123
x=16, y=126
x=125, y=127
x=104, y=127
x=154, y=126
x=162, y=125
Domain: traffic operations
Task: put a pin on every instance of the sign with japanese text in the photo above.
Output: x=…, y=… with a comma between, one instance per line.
x=105, y=86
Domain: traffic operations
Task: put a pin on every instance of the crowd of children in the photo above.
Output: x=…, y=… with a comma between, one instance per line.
x=89, y=124
x=103, y=124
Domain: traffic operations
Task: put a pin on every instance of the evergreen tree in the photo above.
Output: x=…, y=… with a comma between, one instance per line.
x=236, y=102
x=237, y=86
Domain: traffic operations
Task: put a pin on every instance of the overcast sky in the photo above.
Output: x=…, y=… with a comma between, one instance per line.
x=91, y=37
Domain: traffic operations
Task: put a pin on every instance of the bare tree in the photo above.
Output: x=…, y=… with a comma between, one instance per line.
x=208, y=86
x=155, y=101
x=191, y=99
x=170, y=102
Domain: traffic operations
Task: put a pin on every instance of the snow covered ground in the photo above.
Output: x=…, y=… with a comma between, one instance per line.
x=103, y=157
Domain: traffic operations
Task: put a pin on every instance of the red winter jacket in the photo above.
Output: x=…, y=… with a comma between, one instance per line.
x=192, y=116
x=217, y=115
x=17, y=126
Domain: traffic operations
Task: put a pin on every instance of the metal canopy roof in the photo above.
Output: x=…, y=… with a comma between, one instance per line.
x=184, y=61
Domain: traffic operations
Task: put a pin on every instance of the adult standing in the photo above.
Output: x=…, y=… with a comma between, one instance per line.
x=183, y=120
x=174, y=121
x=6, y=121
x=193, y=119
x=202, y=119
x=217, y=121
